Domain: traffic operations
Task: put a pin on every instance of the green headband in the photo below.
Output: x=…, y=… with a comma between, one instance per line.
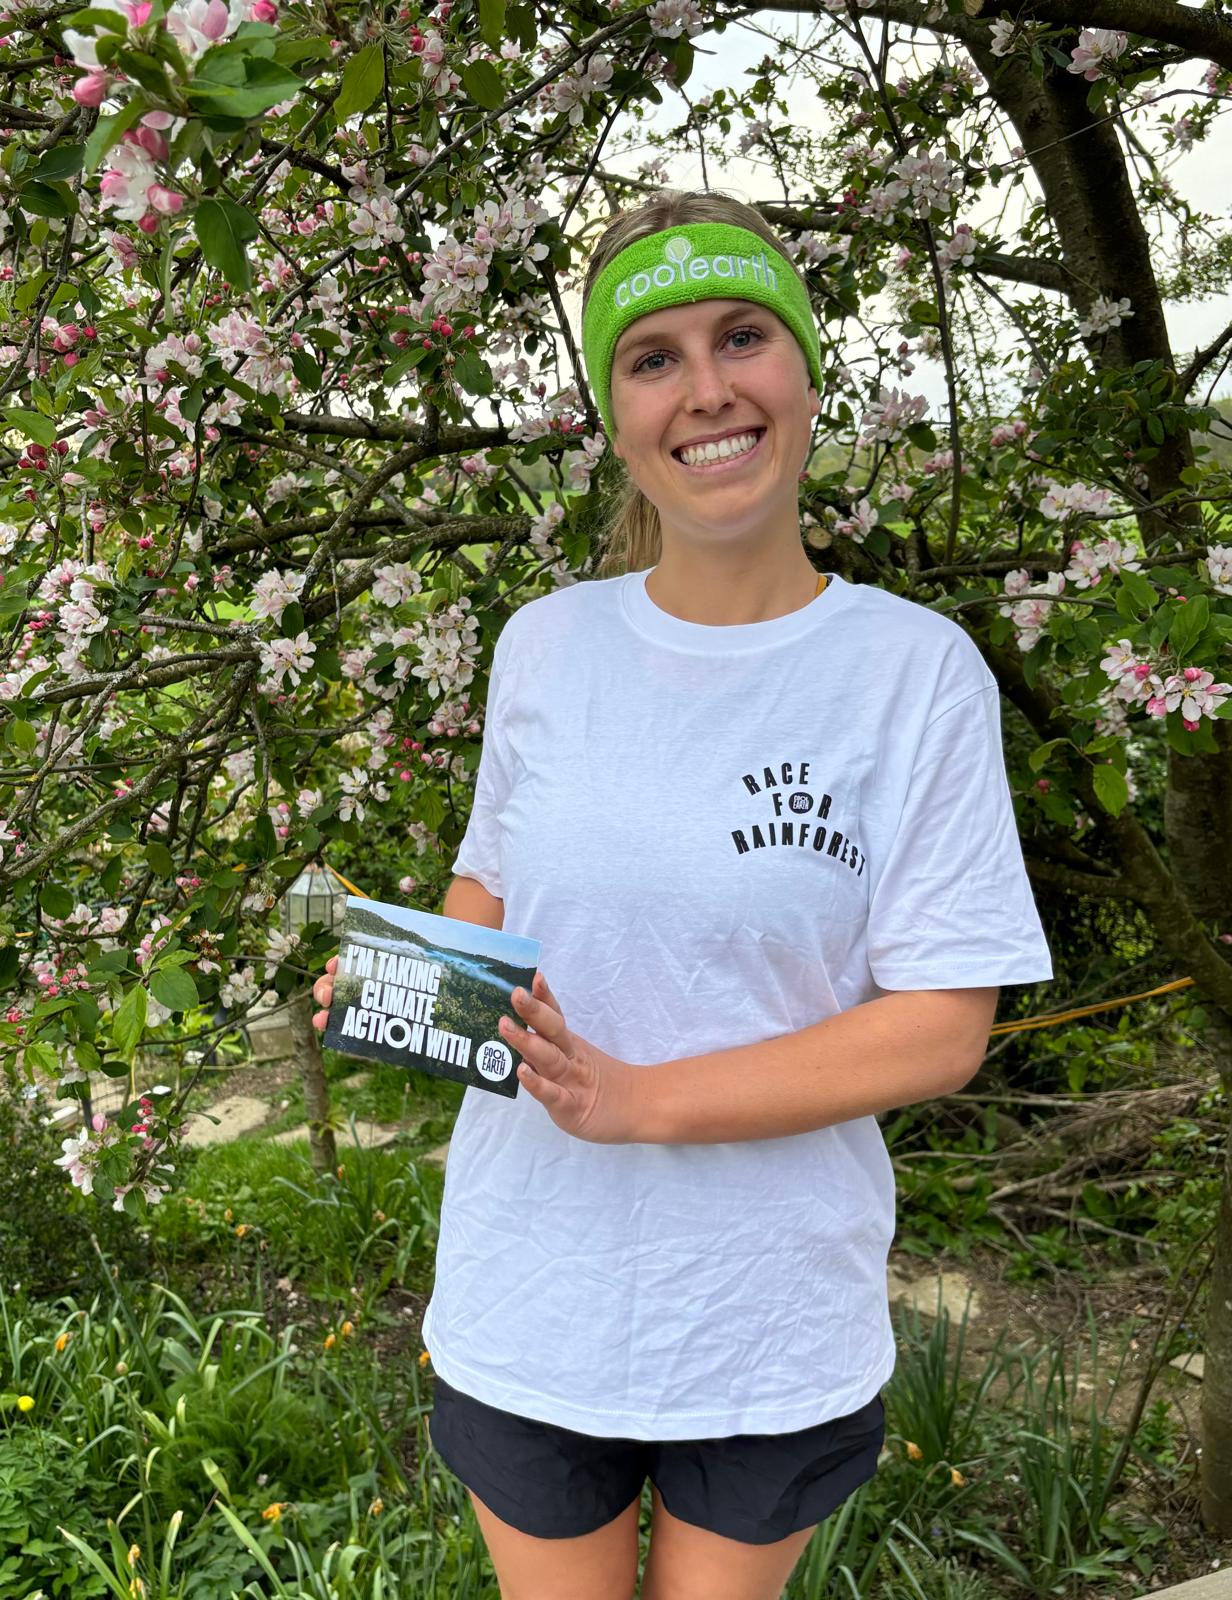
x=677, y=266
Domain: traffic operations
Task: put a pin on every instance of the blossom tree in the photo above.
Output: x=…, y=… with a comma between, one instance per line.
x=292, y=415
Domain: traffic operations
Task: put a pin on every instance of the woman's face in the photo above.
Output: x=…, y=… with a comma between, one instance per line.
x=718, y=370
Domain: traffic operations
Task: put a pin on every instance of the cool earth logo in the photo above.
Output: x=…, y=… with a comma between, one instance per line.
x=788, y=831
x=677, y=251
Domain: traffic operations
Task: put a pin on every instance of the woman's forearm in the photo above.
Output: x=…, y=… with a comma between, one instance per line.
x=890, y=1052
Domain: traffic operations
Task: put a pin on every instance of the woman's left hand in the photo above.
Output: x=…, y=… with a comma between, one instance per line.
x=584, y=1090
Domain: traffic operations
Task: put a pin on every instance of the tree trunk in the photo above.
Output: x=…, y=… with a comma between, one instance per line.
x=1217, y=1373
x=316, y=1092
x=1198, y=820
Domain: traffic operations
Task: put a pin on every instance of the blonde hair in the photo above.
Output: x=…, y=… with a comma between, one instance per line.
x=632, y=539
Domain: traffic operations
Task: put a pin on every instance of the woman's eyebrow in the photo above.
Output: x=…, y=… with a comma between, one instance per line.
x=740, y=309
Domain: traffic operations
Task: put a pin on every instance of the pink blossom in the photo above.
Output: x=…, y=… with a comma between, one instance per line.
x=197, y=24
x=274, y=592
x=166, y=201
x=285, y=658
x=890, y=415
x=1088, y=563
x=396, y=583
x=1030, y=612
x=1063, y=501
x=152, y=140
x=859, y=522
x=1196, y=694
x=91, y=90
x=670, y=18
x=1219, y=567
x=1104, y=315
x=1096, y=48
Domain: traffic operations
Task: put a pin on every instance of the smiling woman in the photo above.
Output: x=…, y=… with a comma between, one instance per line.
x=760, y=824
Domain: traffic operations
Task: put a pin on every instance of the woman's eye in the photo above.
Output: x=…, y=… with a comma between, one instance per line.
x=750, y=335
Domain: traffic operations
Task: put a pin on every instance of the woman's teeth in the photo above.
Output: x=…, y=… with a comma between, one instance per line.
x=719, y=449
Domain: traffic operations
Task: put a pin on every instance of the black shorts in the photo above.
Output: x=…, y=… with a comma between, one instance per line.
x=557, y=1484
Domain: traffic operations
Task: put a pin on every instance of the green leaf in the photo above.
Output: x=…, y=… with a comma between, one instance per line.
x=223, y=229
x=63, y=161
x=264, y=837
x=362, y=81
x=492, y=22
x=306, y=369
x=92, y=17
x=472, y=373
x=159, y=858
x=225, y=67
x=399, y=368
x=1188, y=624
x=267, y=85
x=524, y=26
x=1111, y=789
x=107, y=130
x=924, y=312
x=110, y=961
x=431, y=809
x=1143, y=594
x=683, y=58
x=56, y=900
x=922, y=436
x=175, y=989
x=35, y=426
x=143, y=69
x=483, y=84
x=21, y=735
x=8, y=964
x=214, y=1473
x=28, y=292
x=129, y=1022
x=1039, y=757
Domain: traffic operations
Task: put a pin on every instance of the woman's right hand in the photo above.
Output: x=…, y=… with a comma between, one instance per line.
x=323, y=994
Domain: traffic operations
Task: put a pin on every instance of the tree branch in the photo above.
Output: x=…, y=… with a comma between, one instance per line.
x=1201, y=360
x=1072, y=882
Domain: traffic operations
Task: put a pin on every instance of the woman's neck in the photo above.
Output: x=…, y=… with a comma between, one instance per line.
x=729, y=594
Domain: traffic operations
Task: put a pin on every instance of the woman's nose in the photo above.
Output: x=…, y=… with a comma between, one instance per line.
x=707, y=387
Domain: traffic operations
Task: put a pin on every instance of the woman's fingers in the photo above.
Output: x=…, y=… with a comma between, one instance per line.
x=543, y=1015
x=323, y=994
x=542, y=992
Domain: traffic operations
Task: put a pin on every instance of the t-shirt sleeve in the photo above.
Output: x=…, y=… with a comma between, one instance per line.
x=479, y=854
x=952, y=906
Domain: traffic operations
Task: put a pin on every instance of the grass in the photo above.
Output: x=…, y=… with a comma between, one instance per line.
x=247, y=1418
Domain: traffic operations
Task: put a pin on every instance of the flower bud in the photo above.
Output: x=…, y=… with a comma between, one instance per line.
x=168, y=201
x=90, y=90
x=214, y=23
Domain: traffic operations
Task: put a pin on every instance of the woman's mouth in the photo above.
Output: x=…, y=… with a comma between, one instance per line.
x=721, y=454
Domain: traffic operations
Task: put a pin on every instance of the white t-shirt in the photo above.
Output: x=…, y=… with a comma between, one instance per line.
x=720, y=835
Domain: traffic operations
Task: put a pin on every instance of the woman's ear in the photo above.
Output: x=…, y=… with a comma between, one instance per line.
x=814, y=402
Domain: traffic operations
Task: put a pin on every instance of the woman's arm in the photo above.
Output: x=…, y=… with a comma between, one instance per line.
x=469, y=901
x=890, y=1052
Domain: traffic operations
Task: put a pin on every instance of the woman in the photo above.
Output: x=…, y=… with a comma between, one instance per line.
x=760, y=823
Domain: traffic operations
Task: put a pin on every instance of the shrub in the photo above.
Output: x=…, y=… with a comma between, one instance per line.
x=45, y=1224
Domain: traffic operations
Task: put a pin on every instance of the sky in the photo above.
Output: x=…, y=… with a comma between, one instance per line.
x=1200, y=175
